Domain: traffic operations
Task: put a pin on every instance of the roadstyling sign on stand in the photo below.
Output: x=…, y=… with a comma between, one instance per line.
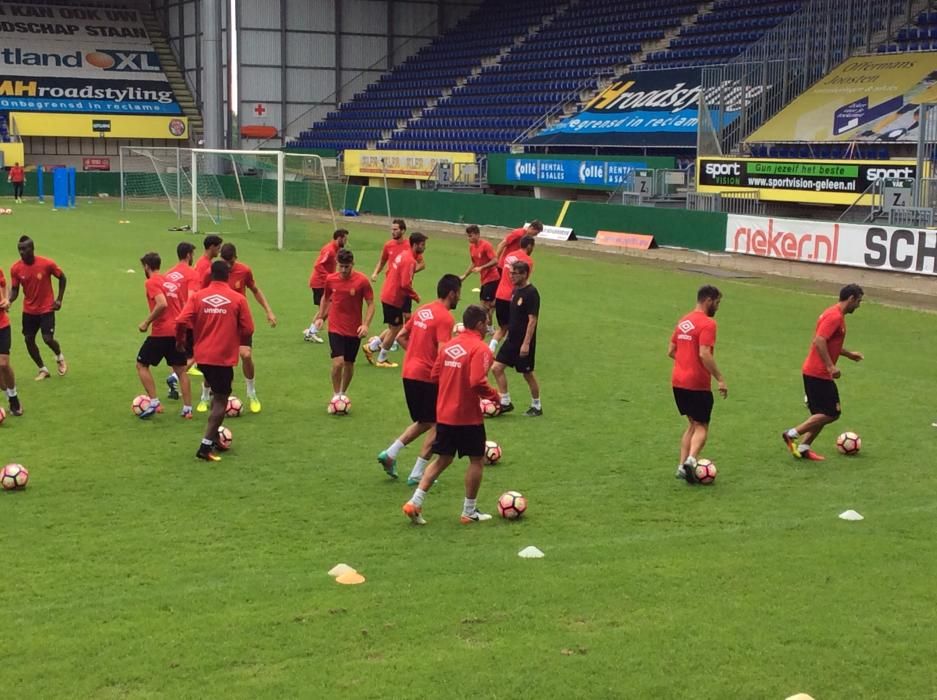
x=814, y=181
x=831, y=243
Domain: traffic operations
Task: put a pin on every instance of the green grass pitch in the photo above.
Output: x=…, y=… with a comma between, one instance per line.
x=132, y=570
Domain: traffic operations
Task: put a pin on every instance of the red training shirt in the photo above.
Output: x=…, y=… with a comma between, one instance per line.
x=4, y=316
x=512, y=242
x=398, y=285
x=392, y=248
x=17, y=174
x=461, y=369
x=219, y=318
x=163, y=325
x=692, y=331
x=345, y=299
x=183, y=277
x=832, y=326
x=481, y=253
x=428, y=328
x=202, y=272
x=325, y=265
x=36, y=281
x=505, y=286
x=240, y=277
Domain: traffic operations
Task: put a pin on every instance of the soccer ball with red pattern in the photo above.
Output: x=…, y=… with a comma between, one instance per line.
x=458, y=328
x=234, y=407
x=489, y=408
x=492, y=452
x=849, y=443
x=224, y=439
x=140, y=404
x=340, y=405
x=14, y=477
x=512, y=505
x=705, y=471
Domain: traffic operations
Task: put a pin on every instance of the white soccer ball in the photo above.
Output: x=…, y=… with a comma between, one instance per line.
x=340, y=405
x=458, y=328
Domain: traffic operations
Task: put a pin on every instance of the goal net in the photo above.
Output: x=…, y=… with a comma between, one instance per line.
x=266, y=193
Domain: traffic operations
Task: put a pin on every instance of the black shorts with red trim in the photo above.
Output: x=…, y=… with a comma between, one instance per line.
x=822, y=396
x=35, y=323
x=464, y=440
x=393, y=315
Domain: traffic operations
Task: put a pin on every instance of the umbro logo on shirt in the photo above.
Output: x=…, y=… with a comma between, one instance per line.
x=686, y=326
x=174, y=276
x=425, y=315
x=456, y=352
x=170, y=287
x=216, y=300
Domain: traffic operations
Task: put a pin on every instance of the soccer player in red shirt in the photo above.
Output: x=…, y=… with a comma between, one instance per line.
x=166, y=300
x=7, y=378
x=241, y=277
x=422, y=335
x=819, y=370
x=219, y=318
x=212, y=245
x=461, y=369
x=34, y=274
x=512, y=242
x=694, y=367
x=17, y=177
x=485, y=263
x=505, y=288
x=183, y=276
x=397, y=289
x=325, y=265
x=345, y=292
x=396, y=244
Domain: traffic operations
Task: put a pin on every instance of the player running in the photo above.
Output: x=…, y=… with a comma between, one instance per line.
x=819, y=370
x=345, y=291
x=505, y=287
x=421, y=337
x=166, y=300
x=35, y=275
x=183, y=276
x=241, y=277
x=325, y=265
x=397, y=289
x=219, y=319
x=396, y=244
x=485, y=263
x=461, y=369
x=694, y=367
x=513, y=241
x=7, y=378
x=519, y=349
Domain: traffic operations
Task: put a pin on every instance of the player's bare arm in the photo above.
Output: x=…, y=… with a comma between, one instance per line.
x=853, y=355
x=403, y=337
x=368, y=317
x=159, y=307
x=58, y=301
x=323, y=312
x=14, y=293
x=262, y=300
x=824, y=351
x=709, y=362
x=672, y=350
x=529, y=335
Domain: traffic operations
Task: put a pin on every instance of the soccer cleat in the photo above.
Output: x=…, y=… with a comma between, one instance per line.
x=533, y=412
x=791, y=444
x=687, y=471
x=186, y=414
x=193, y=371
x=43, y=374
x=812, y=456
x=414, y=512
x=368, y=353
x=389, y=464
x=411, y=481
x=506, y=407
x=386, y=364
x=475, y=517
x=15, y=407
x=254, y=404
x=205, y=453
x=395, y=347
x=202, y=406
x=173, y=383
x=62, y=367
x=312, y=337
x=149, y=410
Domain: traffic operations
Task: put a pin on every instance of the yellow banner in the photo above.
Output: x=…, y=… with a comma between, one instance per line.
x=97, y=126
x=870, y=98
x=12, y=153
x=404, y=165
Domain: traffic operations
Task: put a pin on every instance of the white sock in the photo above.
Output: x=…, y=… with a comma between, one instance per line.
x=374, y=344
x=206, y=393
x=804, y=447
x=792, y=433
x=60, y=357
x=312, y=329
x=250, y=387
x=383, y=356
x=11, y=392
x=187, y=409
x=535, y=403
x=505, y=399
x=154, y=400
x=207, y=443
x=395, y=448
x=690, y=462
x=419, y=468
x=43, y=369
x=417, y=498
x=468, y=507
x=493, y=345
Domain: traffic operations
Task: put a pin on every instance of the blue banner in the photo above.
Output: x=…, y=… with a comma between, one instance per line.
x=570, y=172
x=18, y=94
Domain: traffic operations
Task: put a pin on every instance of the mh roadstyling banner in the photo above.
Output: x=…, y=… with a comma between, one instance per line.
x=831, y=243
x=816, y=181
x=647, y=108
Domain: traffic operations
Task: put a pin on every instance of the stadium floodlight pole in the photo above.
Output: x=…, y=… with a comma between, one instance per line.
x=121, y=159
x=386, y=190
x=281, y=198
x=193, y=176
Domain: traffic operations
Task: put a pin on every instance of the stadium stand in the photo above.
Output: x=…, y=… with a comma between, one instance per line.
x=920, y=37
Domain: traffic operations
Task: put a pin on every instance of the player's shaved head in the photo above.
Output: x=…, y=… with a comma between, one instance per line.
x=219, y=271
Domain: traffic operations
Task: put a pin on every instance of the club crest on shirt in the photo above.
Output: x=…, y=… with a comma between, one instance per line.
x=352, y=291
x=38, y=275
x=520, y=301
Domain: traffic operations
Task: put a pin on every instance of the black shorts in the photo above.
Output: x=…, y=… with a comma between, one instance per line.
x=189, y=344
x=247, y=341
x=218, y=378
x=155, y=349
x=317, y=293
x=421, y=400
x=34, y=323
x=694, y=404
x=503, y=312
x=407, y=305
x=393, y=315
x=345, y=346
x=822, y=396
x=5, y=343
x=488, y=290
x=510, y=354
x=464, y=440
